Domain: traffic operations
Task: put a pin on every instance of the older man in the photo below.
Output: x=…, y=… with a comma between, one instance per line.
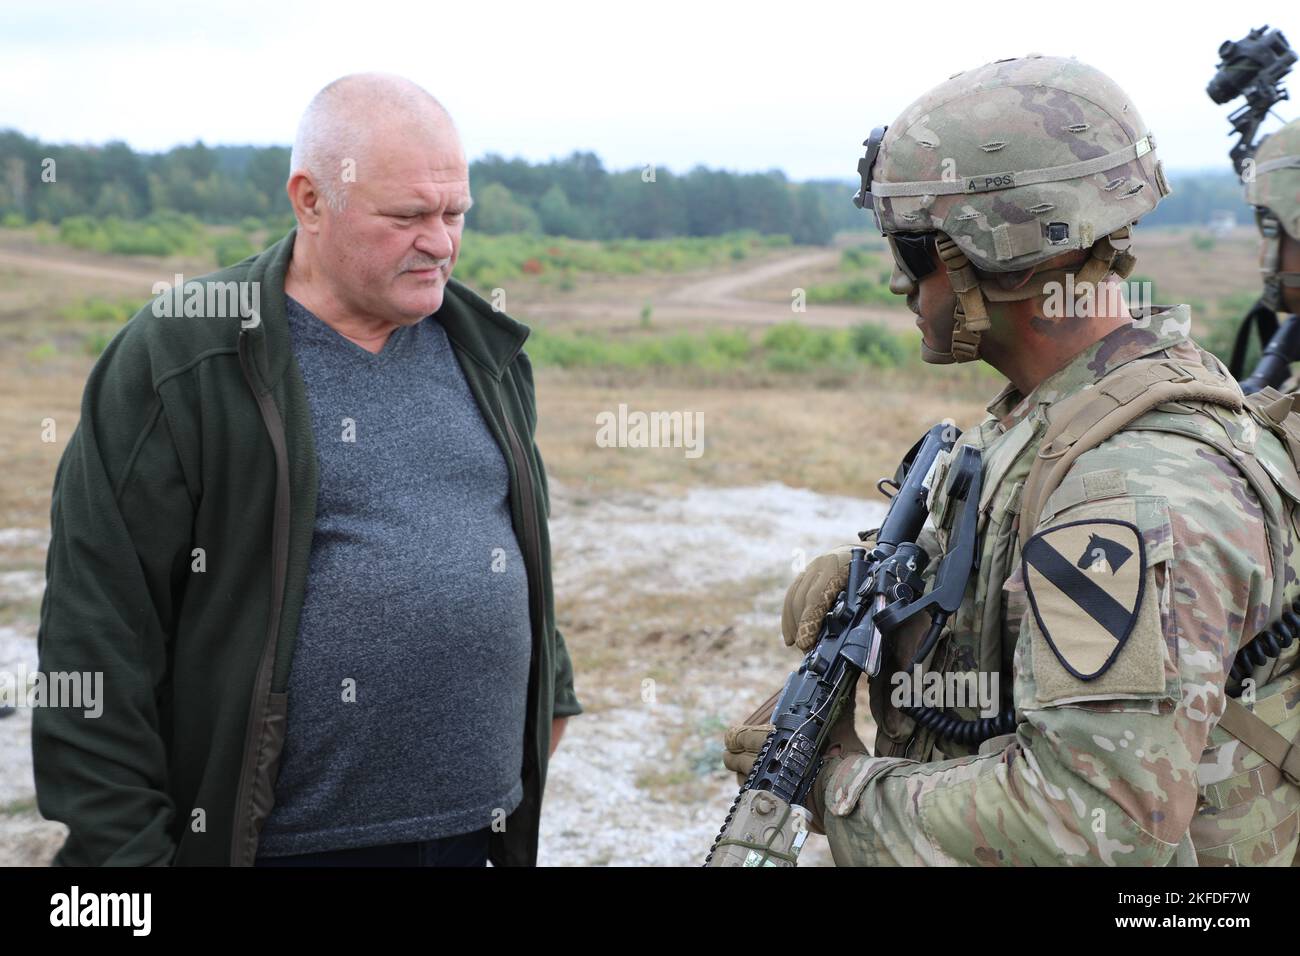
x=306, y=543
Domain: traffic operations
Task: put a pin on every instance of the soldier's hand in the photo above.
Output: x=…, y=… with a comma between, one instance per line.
x=744, y=740
x=811, y=595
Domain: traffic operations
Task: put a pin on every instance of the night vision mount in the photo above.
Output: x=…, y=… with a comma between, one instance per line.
x=862, y=198
x=1253, y=66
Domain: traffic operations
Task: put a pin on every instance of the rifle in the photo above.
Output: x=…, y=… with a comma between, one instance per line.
x=768, y=822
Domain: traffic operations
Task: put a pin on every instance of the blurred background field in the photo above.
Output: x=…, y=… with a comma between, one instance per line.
x=759, y=303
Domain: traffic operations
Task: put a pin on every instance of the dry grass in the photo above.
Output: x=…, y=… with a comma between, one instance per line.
x=833, y=440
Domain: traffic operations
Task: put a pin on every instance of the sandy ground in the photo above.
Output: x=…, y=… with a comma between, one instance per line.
x=692, y=549
x=637, y=779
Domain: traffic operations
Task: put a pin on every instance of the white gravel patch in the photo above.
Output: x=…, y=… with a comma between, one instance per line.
x=595, y=814
x=708, y=540
x=17, y=656
x=705, y=538
x=22, y=585
x=24, y=538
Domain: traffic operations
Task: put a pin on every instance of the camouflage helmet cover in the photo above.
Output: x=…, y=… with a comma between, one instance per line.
x=1017, y=162
x=1276, y=182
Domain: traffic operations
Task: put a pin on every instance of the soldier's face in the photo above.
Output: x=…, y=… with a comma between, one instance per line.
x=933, y=301
x=1289, y=261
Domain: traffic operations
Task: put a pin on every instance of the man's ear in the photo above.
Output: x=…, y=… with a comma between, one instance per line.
x=306, y=200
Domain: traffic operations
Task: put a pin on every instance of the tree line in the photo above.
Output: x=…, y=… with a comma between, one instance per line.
x=575, y=196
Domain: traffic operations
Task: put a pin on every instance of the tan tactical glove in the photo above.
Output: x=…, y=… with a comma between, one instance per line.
x=811, y=595
x=814, y=591
x=746, y=739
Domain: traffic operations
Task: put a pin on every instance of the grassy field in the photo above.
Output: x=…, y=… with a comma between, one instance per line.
x=669, y=569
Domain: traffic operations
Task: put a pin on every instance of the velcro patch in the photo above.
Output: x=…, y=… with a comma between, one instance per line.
x=1085, y=582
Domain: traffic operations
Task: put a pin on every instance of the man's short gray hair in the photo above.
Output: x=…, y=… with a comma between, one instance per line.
x=330, y=133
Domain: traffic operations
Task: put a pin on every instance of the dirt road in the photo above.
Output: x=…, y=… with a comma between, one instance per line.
x=111, y=271
x=720, y=298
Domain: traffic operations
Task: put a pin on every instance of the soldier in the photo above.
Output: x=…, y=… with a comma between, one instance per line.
x=1135, y=527
x=1274, y=191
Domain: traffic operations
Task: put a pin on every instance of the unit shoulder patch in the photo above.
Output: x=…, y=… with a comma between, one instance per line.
x=1085, y=582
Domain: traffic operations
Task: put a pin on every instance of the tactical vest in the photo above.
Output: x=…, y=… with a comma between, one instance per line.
x=1250, y=771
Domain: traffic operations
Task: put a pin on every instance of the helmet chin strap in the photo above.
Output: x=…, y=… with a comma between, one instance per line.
x=935, y=357
x=970, y=317
x=1109, y=254
x=1270, y=260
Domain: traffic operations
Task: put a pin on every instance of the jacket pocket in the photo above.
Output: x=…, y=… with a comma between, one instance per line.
x=851, y=778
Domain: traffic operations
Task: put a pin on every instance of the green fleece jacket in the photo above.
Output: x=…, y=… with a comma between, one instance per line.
x=195, y=433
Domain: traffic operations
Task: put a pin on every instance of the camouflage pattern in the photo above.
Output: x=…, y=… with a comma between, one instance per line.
x=988, y=126
x=1278, y=190
x=1099, y=775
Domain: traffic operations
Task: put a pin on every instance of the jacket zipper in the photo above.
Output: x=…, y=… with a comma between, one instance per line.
x=532, y=532
x=242, y=845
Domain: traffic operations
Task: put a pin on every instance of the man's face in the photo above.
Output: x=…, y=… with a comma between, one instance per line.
x=391, y=250
x=1289, y=261
x=933, y=301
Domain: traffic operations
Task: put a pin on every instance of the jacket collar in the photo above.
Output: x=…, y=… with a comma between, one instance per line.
x=1162, y=329
x=488, y=336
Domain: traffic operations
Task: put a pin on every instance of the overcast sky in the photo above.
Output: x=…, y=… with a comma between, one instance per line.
x=745, y=86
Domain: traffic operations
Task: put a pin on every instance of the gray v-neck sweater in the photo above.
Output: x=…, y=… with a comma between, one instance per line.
x=409, y=681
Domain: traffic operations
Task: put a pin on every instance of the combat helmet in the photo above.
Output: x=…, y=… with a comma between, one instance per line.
x=1008, y=166
x=1274, y=191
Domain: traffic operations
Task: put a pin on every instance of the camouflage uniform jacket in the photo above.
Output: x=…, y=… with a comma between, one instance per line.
x=1127, y=766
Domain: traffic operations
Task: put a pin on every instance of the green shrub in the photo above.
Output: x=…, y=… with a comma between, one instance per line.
x=787, y=362
x=857, y=259
x=487, y=261
x=159, y=234
x=232, y=248
x=96, y=310
x=732, y=347
x=877, y=345
x=95, y=343
x=860, y=291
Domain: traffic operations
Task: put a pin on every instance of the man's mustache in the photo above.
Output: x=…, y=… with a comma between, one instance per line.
x=426, y=264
